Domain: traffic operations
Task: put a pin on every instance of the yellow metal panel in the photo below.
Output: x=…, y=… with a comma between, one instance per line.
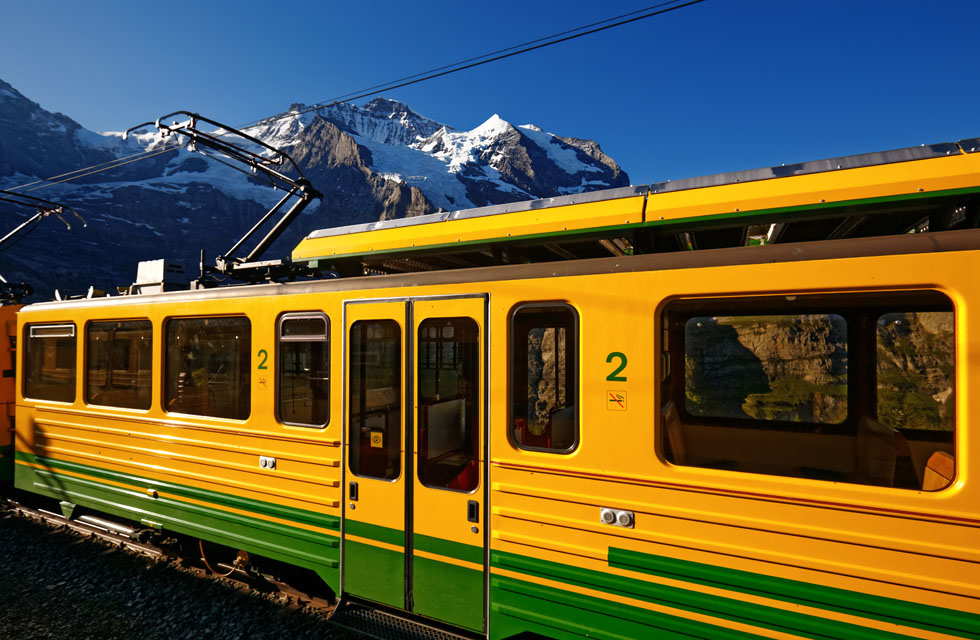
x=901, y=178
x=589, y=215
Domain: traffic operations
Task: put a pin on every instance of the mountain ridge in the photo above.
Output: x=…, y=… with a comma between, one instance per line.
x=379, y=160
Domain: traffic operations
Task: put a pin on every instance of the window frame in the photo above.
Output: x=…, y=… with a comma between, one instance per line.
x=861, y=311
x=32, y=331
x=165, y=365
x=109, y=355
x=280, y=321
x=573, y=348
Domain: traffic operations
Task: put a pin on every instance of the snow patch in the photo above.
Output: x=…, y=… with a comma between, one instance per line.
x=566, y=157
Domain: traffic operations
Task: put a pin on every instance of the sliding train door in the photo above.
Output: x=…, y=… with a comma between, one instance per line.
x=449, y=488
x=415, y=513
x=374, y=544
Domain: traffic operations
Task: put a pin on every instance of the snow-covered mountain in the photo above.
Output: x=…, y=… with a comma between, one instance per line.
x=374, y=161
x=492, y=163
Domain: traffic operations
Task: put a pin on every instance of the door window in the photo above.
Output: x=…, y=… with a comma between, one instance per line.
x=448, y=401
x=375, y=399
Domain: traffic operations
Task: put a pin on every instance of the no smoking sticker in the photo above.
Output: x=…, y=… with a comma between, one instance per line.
x=616, y=400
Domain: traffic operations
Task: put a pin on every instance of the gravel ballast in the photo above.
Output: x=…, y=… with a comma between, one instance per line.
x=62, y=585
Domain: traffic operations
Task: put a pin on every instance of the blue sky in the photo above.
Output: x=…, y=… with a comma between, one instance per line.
x=719, y=86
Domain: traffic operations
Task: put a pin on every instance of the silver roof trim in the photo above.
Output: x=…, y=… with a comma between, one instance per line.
x=479, y=212
x=816, y=166
x=969, y=145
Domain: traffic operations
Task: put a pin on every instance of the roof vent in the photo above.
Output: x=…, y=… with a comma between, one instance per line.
x=157, y=276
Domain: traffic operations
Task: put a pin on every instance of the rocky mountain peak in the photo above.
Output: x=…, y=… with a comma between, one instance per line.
x=37, y=143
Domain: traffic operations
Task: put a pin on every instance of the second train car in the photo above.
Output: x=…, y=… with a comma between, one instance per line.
x=751, y=419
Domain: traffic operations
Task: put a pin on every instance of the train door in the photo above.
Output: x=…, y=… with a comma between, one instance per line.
x=375, y=563
x=414, y=527
x=449, y=488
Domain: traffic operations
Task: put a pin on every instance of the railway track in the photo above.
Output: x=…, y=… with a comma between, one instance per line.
x=349, y=621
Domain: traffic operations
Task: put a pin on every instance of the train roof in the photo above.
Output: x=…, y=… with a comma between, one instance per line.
x=930, y=187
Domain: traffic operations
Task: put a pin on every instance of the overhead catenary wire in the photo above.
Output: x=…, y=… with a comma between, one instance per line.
x=108, y=164
x=438, y=72
x=492, y=56
x=142, y=156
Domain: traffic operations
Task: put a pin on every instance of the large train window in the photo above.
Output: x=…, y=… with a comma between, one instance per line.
x=49, y=362
x=304, y=369
x=118, y=363
x=544, y=377
x=208, y=367
x=853, y=388
x=375, y=399
x=448, y=399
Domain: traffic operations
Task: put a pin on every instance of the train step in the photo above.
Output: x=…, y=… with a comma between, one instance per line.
x=381, y=625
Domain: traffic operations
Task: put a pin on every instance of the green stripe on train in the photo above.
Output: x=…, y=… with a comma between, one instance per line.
x=517, y=606
x=184, y=491
x=374, y=532
x=959, y=624
x=297, y=546
x=430, y=544
x=448, y=548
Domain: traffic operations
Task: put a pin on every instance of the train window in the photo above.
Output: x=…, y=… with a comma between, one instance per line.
x=208, y=366
x=544, y=377
x=49, y=362
x=916, y=390
x=767, y=367
x=375, y=399
x=118, y=363
x=448, y=400
x=853, y=388
x=304, y=369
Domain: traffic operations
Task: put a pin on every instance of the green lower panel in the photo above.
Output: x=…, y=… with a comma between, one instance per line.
x=448, y=593
x=516, y=600
x=374, y=573
x=6, y=465
x=293, y=545
x=517, y=606
x=937, y=619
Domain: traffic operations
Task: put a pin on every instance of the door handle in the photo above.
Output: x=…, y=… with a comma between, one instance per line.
x=473, y=511
x=353, y=491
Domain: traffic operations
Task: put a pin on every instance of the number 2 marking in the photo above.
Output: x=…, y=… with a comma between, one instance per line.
x=265, y=356
x=614, y=376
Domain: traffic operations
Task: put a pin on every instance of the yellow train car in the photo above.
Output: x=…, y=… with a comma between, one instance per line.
x=751, y=419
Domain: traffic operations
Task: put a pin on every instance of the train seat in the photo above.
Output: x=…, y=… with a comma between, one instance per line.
x=939, y=471
x=882, y=456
